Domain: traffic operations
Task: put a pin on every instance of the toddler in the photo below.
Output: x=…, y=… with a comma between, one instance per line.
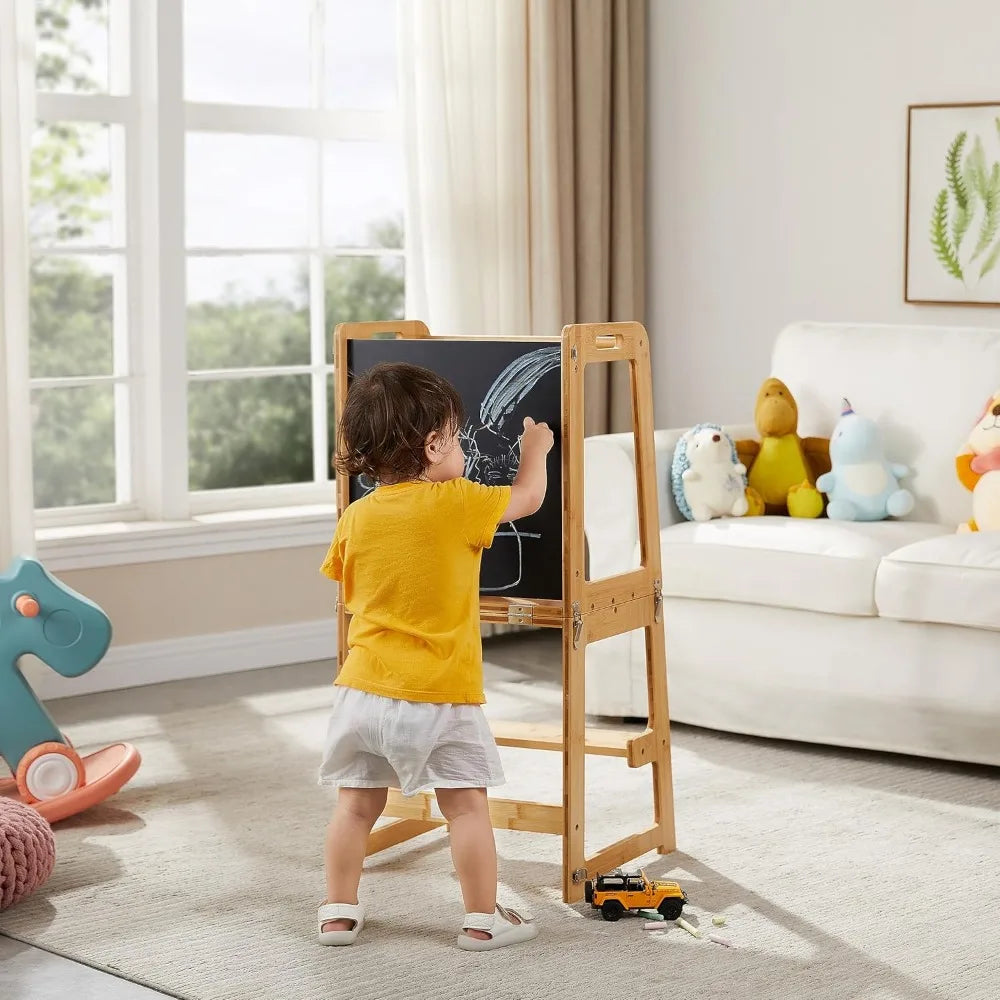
x=407, y=706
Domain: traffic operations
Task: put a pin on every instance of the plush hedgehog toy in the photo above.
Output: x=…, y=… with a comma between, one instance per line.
x=862, y=485
x=707, y=478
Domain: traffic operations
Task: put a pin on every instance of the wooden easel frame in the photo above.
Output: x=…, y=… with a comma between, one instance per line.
x=589, y=611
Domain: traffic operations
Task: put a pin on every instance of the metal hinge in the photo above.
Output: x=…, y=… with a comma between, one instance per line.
x=520, y=614
x=577, y=624
x=580, y=875
x=657, y=601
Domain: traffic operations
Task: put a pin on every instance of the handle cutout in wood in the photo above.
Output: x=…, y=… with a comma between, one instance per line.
x=609, y=342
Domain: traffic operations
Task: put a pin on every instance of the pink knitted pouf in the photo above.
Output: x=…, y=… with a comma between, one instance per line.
x=27, y=851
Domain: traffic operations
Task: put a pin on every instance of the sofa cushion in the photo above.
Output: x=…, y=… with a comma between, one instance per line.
x=953, y=579
x=786, y=562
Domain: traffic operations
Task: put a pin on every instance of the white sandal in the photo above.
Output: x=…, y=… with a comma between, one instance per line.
x=502, y=930
x=340, y=911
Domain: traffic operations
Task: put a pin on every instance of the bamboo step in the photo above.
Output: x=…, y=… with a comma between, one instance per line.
x=416, y=815
x=637, y=748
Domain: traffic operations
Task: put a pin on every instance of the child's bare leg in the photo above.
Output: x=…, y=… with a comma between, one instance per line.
x=473, y=848
x=346, y=837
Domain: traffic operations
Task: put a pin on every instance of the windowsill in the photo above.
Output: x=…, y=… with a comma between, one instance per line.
x=121, y=543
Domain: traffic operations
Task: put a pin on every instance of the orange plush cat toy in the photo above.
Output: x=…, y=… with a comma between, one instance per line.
x=978, y=466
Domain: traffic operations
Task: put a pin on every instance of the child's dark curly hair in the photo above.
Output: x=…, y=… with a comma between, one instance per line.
x=389, y=413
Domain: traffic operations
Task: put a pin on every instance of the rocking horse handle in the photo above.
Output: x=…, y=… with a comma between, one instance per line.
x=26, y=606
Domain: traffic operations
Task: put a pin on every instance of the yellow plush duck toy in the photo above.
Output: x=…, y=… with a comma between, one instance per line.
x=783, y=468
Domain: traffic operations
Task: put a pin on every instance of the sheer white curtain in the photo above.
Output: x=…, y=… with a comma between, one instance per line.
x=16, y=119
x=525, y=137
x=477, y=218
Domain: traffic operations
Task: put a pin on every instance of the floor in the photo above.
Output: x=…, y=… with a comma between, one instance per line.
x=28, y=973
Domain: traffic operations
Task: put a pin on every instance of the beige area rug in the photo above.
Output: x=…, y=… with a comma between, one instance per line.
x=843, y=876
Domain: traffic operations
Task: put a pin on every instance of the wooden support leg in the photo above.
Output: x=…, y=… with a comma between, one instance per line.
x=574, y=776
x=659, y=723
x=627, y=849
x=649, y=545
x=395, y=833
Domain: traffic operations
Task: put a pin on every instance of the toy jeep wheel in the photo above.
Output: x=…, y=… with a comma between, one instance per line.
x=670, y=909
x=611, y=909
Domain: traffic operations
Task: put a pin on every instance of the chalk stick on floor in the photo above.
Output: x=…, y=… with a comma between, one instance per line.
x=693, y=931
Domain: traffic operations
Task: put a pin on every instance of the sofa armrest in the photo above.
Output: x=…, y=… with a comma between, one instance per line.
x=611, y=508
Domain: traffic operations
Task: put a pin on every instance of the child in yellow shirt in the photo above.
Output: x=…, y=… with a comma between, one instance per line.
x=407, y=707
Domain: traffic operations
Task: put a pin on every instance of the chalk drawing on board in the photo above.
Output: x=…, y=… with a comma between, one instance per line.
x=492, y=449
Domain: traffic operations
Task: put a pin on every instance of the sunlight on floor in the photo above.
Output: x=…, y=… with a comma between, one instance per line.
x=121, y=729
x=288, y=702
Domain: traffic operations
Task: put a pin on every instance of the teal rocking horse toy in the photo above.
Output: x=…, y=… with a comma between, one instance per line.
x=41, y=616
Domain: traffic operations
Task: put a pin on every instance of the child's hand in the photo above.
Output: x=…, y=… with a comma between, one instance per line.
x=536, y=437
x=527, y=492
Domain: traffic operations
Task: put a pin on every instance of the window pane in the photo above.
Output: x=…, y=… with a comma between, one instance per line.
x=360, y=54
x=248, y=311
x=247, y=51
x=362, y=288
x=363, y=189
x=71, y=183
x=72, y=45
x=248, y=190
x=72, y=302
x=73, y=441
x=250, y=432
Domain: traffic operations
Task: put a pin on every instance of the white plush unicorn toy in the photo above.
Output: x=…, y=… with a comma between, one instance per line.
x=862, y=485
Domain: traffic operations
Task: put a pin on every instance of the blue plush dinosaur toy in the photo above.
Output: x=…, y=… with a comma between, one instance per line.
x=862, y=485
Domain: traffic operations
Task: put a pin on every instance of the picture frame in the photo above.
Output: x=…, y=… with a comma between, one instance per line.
x=952, y=226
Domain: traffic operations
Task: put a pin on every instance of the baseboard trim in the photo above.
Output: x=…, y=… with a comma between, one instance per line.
x=194, y=656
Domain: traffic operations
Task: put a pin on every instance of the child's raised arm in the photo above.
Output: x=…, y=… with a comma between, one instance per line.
x=528, y=489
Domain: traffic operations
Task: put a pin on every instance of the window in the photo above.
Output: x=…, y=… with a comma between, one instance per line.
x=80, y=376
x=201, y=221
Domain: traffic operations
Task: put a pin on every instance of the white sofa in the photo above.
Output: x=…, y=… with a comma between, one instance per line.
x=884, y=636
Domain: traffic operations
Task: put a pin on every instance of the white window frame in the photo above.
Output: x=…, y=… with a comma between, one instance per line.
x=164, y=520
x=119, y=109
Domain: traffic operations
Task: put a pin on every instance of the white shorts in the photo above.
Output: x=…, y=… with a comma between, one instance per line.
x=376, y=742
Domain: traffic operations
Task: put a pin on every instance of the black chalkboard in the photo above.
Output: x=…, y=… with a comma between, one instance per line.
x=501, y=383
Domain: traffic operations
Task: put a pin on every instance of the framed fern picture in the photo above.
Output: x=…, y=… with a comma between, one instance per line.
x=953, y=204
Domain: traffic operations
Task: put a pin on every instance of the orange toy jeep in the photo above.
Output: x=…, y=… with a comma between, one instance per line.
x=618, y=891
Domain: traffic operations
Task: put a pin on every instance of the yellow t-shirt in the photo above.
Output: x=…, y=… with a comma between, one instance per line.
x=407, y=557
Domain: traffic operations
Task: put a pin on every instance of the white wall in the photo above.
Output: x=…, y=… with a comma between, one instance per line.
x=777, y=174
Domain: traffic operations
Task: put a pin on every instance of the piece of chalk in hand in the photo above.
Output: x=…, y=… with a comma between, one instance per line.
x=693, y=931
